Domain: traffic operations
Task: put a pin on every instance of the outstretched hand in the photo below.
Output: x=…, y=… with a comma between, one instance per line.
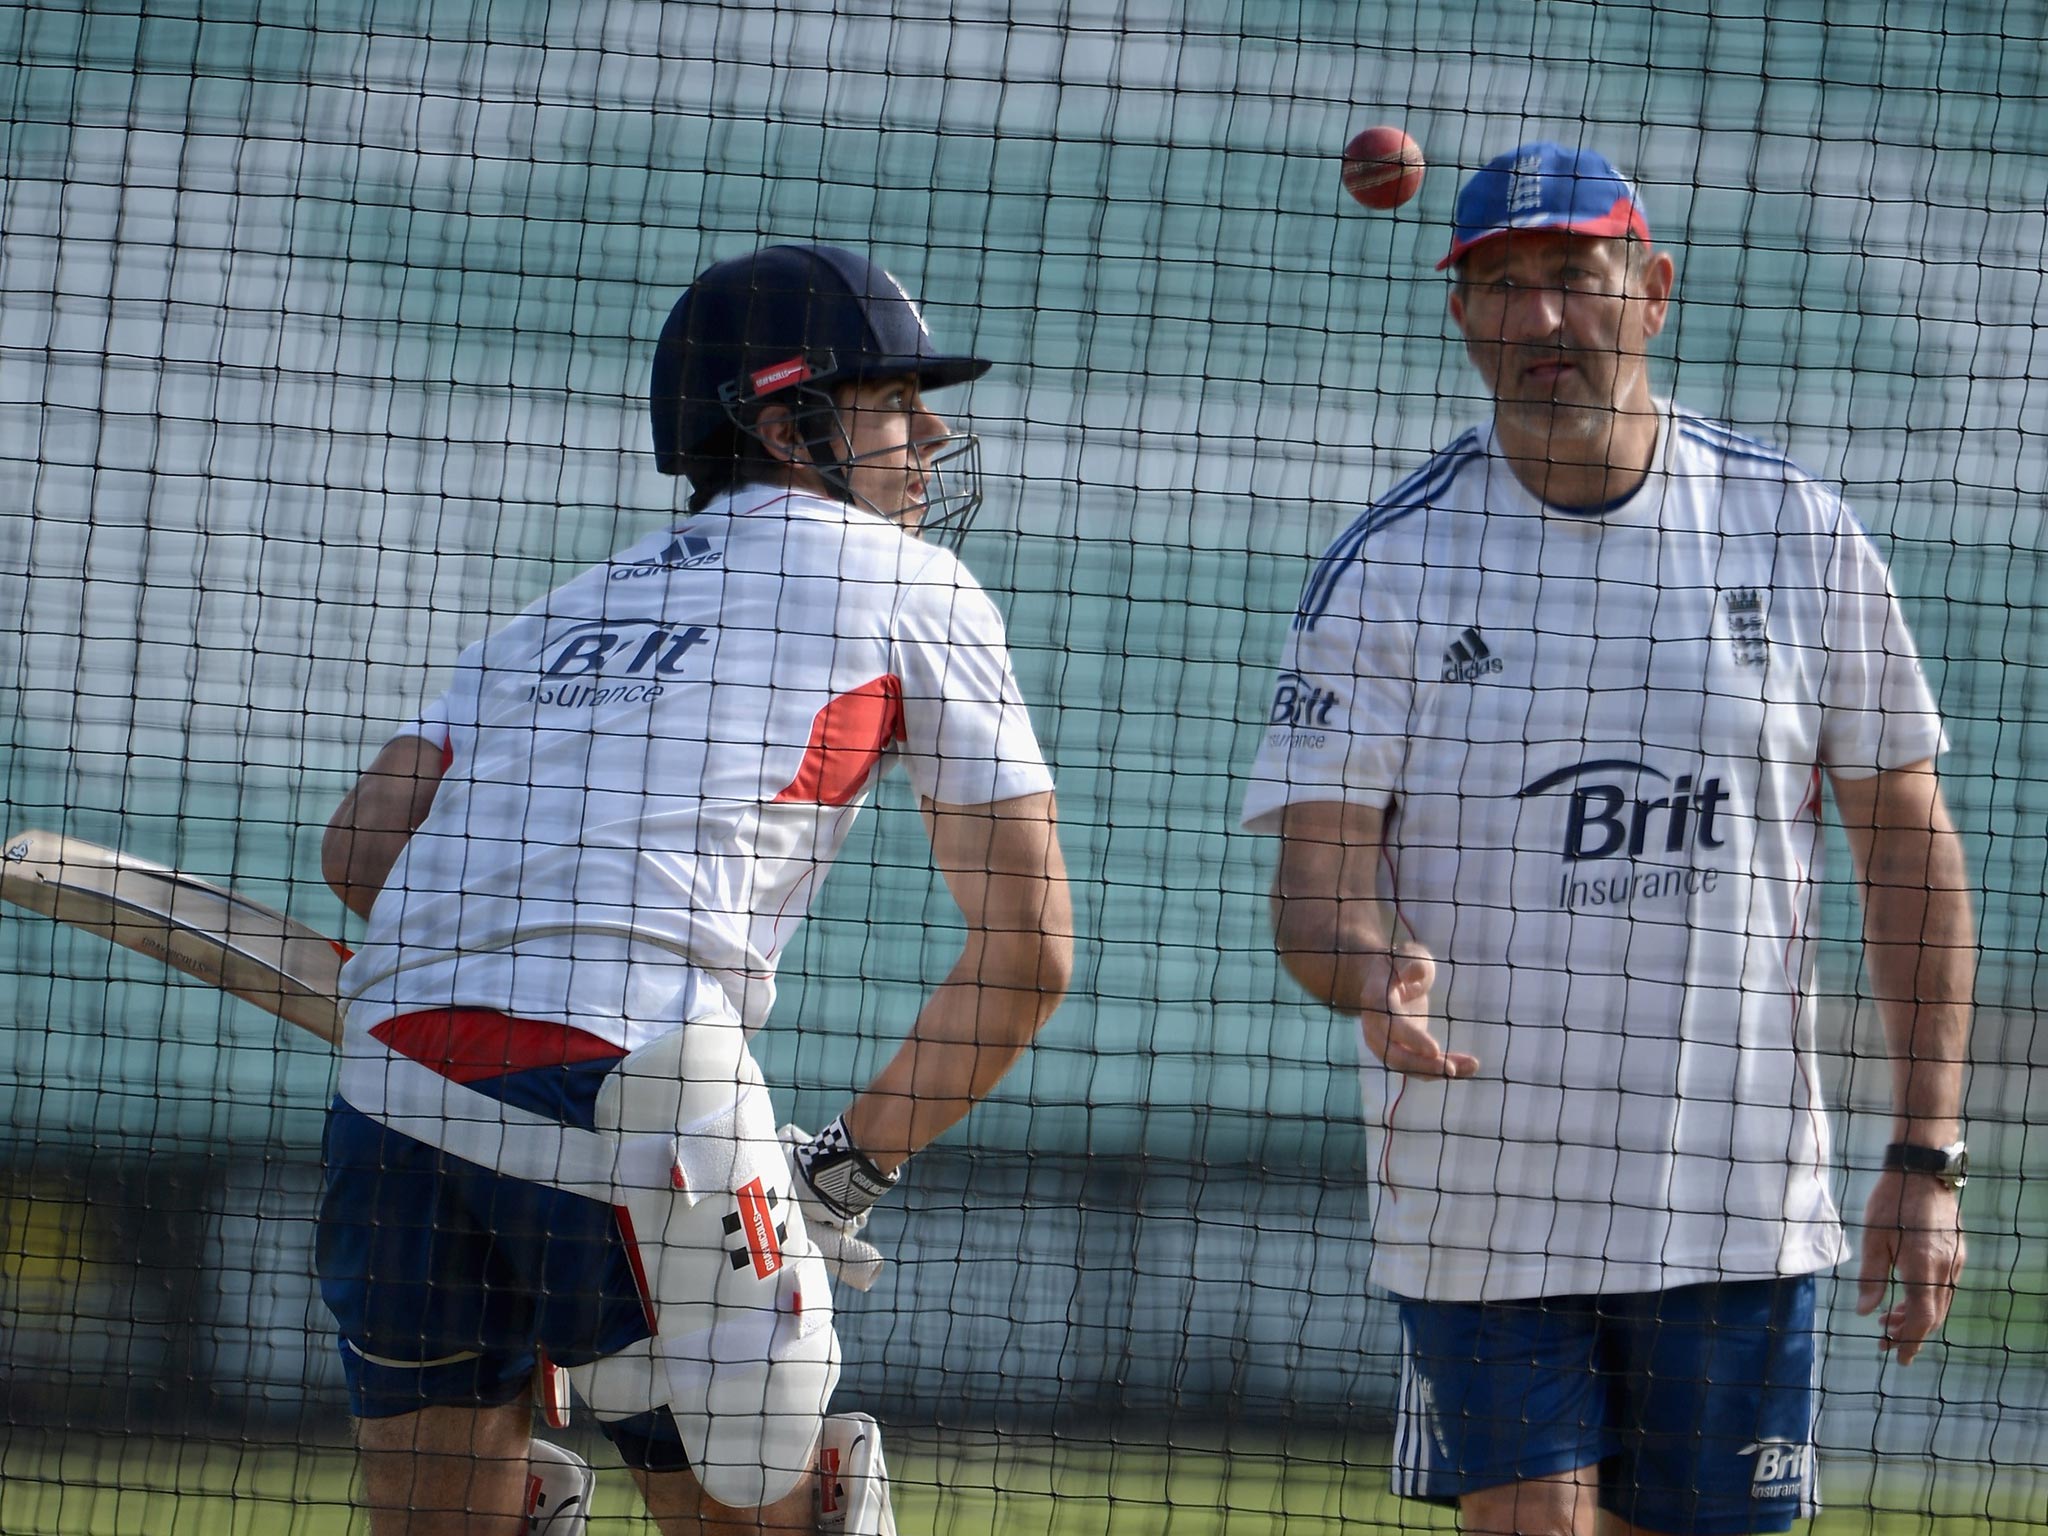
x=1399, y=1034
x=1912, y=1230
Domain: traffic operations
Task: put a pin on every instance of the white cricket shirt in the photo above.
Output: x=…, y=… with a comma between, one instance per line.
x=651, y=769
x=1599, y=738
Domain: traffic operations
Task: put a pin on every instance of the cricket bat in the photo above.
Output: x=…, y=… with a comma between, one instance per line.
x=193, y=926
x=205, y=931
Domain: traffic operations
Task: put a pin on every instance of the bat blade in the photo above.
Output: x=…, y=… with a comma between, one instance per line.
x=191, y=925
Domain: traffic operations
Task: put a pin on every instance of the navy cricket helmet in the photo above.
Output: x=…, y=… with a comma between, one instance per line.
x=785, y=317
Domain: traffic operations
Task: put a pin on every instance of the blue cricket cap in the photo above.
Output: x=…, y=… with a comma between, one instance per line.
x=1544, y=186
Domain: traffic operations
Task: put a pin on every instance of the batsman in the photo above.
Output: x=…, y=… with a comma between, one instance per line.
x=550, y=1143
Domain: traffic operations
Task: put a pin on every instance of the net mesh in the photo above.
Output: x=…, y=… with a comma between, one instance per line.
x=324, y=336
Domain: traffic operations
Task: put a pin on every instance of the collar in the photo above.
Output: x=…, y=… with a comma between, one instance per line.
x=785, y=501
x=1630, y=506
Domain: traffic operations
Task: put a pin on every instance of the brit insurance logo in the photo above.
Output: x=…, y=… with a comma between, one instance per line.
x=1783, y=1468
x=686, y=552
x=1617, y=811
x=1301, y=703
x=615, y=661
x=1301, y=712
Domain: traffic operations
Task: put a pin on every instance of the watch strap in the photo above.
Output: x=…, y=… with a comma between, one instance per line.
x=1950, y=1164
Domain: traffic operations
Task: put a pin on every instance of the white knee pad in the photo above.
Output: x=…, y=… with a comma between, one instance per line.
x=744, y=1353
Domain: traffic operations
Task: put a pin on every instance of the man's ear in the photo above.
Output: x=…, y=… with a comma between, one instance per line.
x=775, y=428
x=1660, y=276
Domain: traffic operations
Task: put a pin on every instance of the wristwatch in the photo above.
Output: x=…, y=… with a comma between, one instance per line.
x=1948, y=1166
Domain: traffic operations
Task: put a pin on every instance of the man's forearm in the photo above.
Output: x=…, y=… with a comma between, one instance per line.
x=1331, y=929
x=1337, y=949
x=970, y=1032
x=1920, y=949
x=376, y=818
x=357, y=861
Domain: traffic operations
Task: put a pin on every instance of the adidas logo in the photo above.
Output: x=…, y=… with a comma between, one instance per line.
x=1469, y=658
x=687, y=552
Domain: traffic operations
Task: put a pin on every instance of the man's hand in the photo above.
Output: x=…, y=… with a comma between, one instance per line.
x=1398, y=1033
x=848, y=1255
x=1912, y=1229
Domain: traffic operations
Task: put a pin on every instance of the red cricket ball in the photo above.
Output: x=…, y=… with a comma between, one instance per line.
x=1383, y=167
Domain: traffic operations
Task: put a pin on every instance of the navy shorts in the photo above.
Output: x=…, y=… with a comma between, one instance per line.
x=449, y=1280
x=1696, y=1403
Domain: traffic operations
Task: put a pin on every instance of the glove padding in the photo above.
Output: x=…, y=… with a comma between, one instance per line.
x=847, y=1255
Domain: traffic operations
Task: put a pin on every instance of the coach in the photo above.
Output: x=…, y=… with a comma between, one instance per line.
x=1551, y=834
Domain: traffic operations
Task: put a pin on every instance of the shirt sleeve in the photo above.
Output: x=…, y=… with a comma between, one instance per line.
x=1335, y=727
x=431, y=724
x=1877, y=711
x=967, y=735
x=457, y=706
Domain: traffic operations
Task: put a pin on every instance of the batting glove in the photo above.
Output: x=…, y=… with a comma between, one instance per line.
x=835, y=1186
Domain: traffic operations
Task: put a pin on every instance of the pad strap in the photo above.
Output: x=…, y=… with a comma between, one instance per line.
x=397, y=1091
